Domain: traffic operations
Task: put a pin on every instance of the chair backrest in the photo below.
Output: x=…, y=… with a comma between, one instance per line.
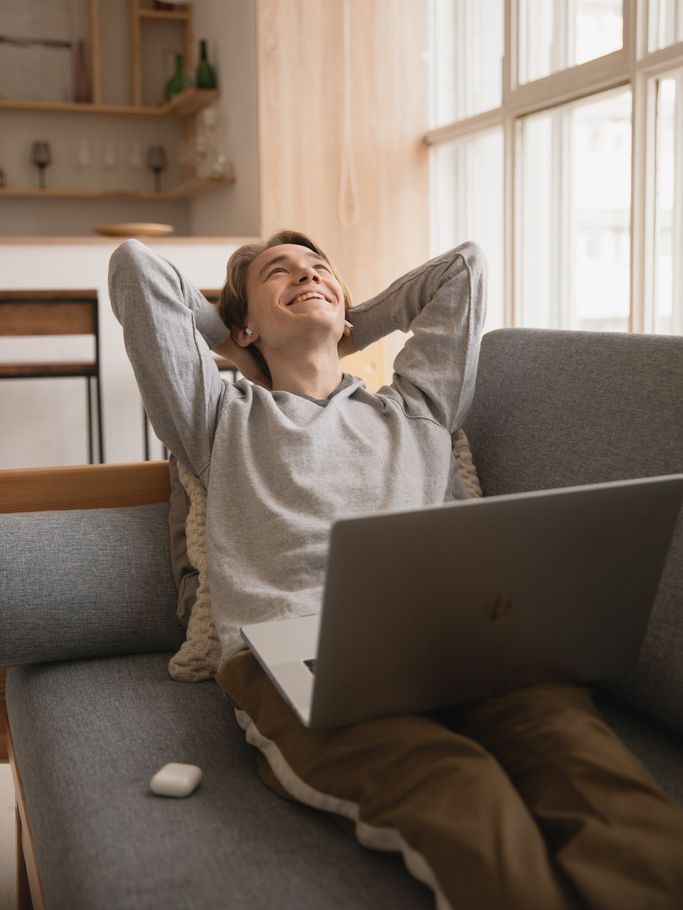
x=61, y=312
x=211, y=294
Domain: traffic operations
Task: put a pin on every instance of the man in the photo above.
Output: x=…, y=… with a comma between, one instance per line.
x=526, y=801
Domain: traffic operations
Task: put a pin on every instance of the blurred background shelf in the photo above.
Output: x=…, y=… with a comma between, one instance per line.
x=182, y=190
x=110, y=123
x=188, y=103
x=164, y=15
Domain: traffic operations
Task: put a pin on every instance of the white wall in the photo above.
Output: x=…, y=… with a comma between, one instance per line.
x=43, y=421
x=229, y=26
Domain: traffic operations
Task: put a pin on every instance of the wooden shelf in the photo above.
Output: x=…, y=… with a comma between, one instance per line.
x=164, y=15
x=183, y=105
x=181, y=191
x=143, y=23
x=196, y=185
x=190, y=102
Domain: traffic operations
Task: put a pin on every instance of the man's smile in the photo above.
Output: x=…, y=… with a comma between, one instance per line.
x=308, y=295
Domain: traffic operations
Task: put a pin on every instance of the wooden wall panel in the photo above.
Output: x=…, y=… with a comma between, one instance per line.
x=301, y=111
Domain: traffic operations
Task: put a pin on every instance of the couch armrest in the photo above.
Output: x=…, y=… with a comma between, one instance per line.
x=98, y=486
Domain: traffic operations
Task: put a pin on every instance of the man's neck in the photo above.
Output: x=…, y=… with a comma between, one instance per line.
x=316, y=373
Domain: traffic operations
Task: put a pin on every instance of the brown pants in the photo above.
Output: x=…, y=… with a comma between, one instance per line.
x=525, y=801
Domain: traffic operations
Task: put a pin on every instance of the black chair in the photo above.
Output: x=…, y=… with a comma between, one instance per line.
x=47, y=313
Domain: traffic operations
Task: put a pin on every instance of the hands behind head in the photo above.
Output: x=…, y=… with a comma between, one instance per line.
x=250, y=368
x=244, y=360
x=346, y=344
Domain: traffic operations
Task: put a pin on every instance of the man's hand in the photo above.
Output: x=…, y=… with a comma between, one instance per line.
x=347, y=345
x=244, y=360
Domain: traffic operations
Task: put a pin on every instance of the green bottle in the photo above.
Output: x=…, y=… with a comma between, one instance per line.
x=206, y=74
x=179, y=81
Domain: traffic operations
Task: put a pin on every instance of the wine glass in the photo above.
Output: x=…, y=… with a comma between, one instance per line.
x=110, y=161
x=156, y=161
x=135, y=164
x=83, y=160
x=83, y=154
x=41, y=156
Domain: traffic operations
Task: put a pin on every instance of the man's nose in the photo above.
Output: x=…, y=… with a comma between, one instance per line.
x=306, y=273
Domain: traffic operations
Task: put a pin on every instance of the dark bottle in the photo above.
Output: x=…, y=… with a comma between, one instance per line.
x=179, y=81
x=206, y=74
x=82, y=89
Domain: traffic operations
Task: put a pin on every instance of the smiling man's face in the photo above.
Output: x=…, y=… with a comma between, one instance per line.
x=292, y=291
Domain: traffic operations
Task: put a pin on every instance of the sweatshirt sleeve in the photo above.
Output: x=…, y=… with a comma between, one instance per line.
x=443, y=303
x=168, y=329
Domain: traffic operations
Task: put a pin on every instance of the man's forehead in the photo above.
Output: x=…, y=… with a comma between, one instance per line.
x=285, y=249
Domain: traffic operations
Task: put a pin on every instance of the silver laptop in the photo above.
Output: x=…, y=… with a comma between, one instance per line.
x=455, y=603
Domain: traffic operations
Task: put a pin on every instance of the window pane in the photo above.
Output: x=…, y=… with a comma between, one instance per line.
x=467, y=204
x=668, y=284
x=556, y=35
x=576, y=174
x=666, y=23
x=467, y=50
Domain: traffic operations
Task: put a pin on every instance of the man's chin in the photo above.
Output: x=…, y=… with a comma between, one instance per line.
x=318, y=320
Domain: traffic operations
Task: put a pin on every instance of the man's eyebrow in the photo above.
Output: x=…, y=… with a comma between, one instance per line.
x=283, y=257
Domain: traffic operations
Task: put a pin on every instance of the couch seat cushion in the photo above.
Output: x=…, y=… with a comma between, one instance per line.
x=88, y=737
x=659, y=748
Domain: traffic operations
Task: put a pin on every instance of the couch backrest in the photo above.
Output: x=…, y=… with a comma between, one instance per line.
x=562, y=408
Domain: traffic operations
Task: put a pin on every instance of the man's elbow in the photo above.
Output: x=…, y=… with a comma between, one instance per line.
x=125, y=263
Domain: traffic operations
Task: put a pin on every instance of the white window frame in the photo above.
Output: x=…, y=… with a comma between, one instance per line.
x=631, y=66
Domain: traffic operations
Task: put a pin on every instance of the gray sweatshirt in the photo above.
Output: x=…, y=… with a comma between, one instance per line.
x=280, y=467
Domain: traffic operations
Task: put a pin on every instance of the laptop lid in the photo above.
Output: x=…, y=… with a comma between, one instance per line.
x=455, y=603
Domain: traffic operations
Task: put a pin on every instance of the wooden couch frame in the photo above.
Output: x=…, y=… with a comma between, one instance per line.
x=42, y=489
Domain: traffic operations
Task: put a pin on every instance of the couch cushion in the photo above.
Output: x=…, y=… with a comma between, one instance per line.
x=659, y=749
x=185, y=575
x=86, y=583
x=103, y=840
x=560, y=408
x=89, y=735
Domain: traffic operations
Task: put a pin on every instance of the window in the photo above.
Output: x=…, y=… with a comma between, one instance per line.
x=467, y=45
x=575, y=204
x=665, y=23
x=467, y=179
x=573, y=180
x=668, y=247
x=554, y=36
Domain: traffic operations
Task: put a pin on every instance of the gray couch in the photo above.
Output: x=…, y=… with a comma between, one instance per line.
x=88, y=623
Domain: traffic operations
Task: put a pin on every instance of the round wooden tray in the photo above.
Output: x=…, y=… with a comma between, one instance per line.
x=134, y=229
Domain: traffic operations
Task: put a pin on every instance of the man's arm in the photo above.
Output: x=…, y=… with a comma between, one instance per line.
x=166, y=326
x=443, y=303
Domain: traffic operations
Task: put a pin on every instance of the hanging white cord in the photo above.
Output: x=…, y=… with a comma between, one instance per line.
x=347, y=215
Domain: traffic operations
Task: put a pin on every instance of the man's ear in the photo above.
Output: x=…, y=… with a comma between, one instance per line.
x=243, y=337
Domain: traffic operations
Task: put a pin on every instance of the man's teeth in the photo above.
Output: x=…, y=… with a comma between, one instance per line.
x=308, y=297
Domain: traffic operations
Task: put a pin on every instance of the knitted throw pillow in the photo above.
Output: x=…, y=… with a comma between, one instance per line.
x=199, y=655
